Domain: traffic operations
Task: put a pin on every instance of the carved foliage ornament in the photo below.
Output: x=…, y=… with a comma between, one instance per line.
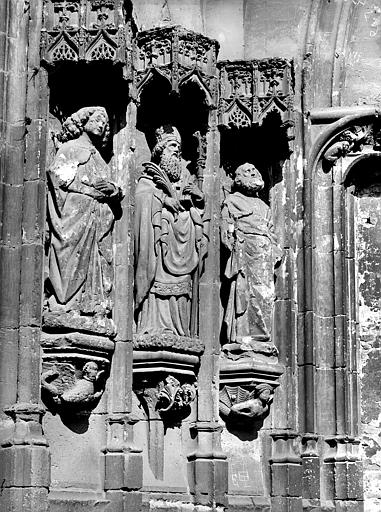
x=172, y=396
x=166, y=397
x=250, y=90
x=180, y=56
x=85, y=31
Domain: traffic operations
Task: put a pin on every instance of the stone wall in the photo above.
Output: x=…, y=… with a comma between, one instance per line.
x=368, y=251
x=95, y=413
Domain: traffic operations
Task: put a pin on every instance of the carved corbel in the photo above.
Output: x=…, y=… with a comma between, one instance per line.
x=168, y=399
x=349, y=141
x=64, y=392
x=245, y=407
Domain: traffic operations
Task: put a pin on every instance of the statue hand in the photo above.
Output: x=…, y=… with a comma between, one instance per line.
x=172, y=204
x=105, y=187
x=194, y=191
x=227, y=239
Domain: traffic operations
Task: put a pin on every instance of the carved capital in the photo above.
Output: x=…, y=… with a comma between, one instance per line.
x=26, y=427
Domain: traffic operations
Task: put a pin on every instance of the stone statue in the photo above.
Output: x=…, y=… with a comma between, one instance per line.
x=247, y=232
x=81, y=198
x=170, y=242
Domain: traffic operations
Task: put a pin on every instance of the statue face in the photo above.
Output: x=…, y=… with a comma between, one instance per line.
x=265, y=395
x=96, y=125
x=172, y=148
x=91, y=371
x=248, y=179
x=170, y=160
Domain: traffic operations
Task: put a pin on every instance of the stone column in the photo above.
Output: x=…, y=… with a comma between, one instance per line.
x=24, y=456
x=208, y=464
x=123, y=460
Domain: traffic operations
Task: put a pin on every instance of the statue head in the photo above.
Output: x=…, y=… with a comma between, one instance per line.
x=90, y=371
x=167, y=151
x=92, y=120
x=264, y=392
x=248, y=179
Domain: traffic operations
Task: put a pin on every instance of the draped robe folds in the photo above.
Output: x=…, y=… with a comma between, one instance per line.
x=80, y=272
x=168, y=249
x=250, y=268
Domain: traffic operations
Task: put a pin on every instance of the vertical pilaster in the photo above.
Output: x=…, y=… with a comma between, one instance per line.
x=123, y=460
x=25, y=464
x=286, y=473
x=208, y=465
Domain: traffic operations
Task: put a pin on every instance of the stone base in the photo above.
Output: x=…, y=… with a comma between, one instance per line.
x=163, y=361
x=259, y=350
x=57, y=321
x=249, y=372
x=168, y=341
x=75, y=344
x=63, y=501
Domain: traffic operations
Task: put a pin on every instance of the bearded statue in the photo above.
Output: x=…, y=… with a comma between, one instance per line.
x=247, y=232
x=170, y=242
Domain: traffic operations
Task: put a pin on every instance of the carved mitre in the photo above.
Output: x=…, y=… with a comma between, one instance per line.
x=166, y=133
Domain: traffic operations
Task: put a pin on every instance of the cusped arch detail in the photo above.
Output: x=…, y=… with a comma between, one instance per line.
x=102, y=48
x=195, y=77
x=63, y=49
x=237, y=115
x=274, y=105
x=152, y=73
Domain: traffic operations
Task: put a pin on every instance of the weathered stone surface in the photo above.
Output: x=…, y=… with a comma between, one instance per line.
x=81, y=202
x=311, y=71
x=168, y=254
x=247, y=232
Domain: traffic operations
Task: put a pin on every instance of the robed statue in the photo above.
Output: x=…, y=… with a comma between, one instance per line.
x=248, y=234
x=170, y=241
x=81, y=201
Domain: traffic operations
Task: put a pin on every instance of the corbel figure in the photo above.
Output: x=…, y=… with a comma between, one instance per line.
x=348, y=141
x=242, y=408
x=168, y=399
x=172, y=396
x=81, y=396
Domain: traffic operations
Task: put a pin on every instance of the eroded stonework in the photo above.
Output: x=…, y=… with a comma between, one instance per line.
x=189, y=309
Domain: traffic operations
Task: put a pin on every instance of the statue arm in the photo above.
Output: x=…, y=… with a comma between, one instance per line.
x=192, y=188
x=227, y=228
x=147, y=213
x=82, y=188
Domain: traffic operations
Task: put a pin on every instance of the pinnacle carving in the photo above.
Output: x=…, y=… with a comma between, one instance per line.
x=250, y=90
